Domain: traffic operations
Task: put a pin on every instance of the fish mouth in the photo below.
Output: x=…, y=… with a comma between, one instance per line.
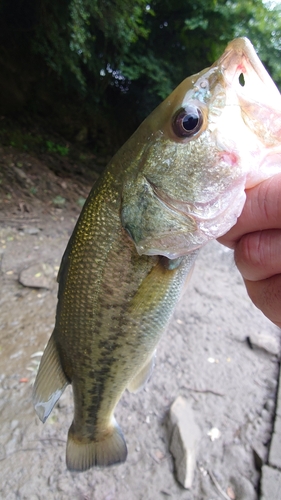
x=240, y=58
x=260, y=103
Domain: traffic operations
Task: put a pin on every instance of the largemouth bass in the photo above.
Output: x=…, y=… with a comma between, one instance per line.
x=177, y=183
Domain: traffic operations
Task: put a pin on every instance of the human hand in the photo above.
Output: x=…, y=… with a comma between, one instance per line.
x=256, y=240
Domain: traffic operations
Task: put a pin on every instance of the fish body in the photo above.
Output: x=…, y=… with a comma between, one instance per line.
x=178, y=182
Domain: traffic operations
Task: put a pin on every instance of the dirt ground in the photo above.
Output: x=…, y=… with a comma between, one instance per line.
x=204, y=356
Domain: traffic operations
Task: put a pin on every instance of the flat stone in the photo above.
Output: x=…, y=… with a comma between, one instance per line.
x=274, y=458
x=270, y=483
x=267, y=342
x=278, y=406
x=275, y=446
x=243, y=488
x=185, y=437
x=39, y=275
x=31, y=230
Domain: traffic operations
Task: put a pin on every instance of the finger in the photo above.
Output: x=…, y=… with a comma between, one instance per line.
x=266, y=295
x=258, y=255
x=262, y=210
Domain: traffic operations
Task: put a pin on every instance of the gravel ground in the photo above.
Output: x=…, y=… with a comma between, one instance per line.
x=209, y=355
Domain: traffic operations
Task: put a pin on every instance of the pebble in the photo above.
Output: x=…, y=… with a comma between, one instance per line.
x=14, y=424
x=267, y=342
x=40, y=275
x=270, y=405
x=270, y=483
x=31, y=230
x=266, y=415
x=185, y=437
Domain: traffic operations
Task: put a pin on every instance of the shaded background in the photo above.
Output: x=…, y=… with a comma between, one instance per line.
x=93, y=69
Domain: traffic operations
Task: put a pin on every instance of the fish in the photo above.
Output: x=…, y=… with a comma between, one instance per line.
x=176, y=184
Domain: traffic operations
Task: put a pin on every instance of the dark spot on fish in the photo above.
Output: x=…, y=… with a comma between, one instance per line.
x=115, y=318
x=106, y=305
x=96, y=394
x=108, y=345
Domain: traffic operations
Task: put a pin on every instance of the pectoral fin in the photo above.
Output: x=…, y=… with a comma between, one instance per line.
x=140, y=379
x=50, y=381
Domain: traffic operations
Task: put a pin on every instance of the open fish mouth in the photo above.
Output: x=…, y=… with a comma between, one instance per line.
x=239, y=59
x=260, y=103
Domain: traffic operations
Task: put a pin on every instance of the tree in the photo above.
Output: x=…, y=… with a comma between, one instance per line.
x=110, y=62
x=186, y=36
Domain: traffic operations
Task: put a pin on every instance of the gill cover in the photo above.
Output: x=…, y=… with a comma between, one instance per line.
x=152, y=225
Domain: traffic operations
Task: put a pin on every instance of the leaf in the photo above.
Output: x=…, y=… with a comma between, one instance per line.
x=81, y=201
x=59, y=200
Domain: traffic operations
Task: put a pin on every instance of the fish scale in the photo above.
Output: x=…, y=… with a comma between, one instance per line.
x=178, y=182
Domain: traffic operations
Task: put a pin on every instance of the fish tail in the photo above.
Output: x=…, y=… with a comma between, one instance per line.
x=81, y=455
x=50, y=381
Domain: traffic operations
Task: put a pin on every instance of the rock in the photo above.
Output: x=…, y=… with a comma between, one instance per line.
x=260, y=455
x=270, y=483
x=275, y=446
x=22, y=176
x=267, y=342
x=243, y=488
x=185, y=437
x=31, y=230
x=38, y=276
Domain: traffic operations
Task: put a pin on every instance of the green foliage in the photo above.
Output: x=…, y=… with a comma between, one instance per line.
x=88, y=38
x=81, y=201
x=262, y=24
x=59, y=200
x=105, y=64
x=14, y=135
x=57, y=148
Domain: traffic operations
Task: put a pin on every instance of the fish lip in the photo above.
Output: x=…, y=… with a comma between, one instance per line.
x=241, y=57
x=198, y=211
x=241, y=50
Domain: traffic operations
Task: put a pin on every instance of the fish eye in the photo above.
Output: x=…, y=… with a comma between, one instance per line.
x=187, y=121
